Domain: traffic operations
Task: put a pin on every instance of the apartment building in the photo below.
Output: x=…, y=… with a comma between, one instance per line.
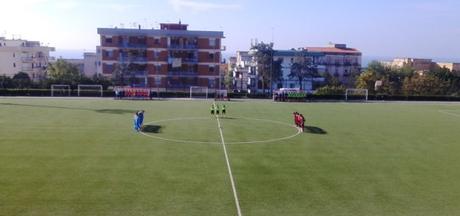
x=171, y=58
x=18, y=55
x=336, y=59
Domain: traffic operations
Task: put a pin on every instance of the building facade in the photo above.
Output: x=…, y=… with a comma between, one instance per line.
x=24, y=56
x=171, y=58
x=337, y=59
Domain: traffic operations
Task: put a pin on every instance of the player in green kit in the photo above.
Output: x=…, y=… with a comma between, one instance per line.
x=223, y=109
x=217, y=109
x=212, y=109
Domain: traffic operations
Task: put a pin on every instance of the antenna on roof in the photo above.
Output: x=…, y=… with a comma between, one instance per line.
x=180, y=22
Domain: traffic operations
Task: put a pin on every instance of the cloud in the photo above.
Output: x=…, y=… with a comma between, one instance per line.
x=199, y=6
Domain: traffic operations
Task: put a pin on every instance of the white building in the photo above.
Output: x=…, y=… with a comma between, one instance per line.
x=24, y=56
x=88, y=66
x=241, y=72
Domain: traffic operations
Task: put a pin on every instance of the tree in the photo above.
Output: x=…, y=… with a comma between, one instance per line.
x=303, y=67
x=22, y=80
x=6, y=82
x=268, y=69
x=63, y=72
x=120, y=74
x=425, y=85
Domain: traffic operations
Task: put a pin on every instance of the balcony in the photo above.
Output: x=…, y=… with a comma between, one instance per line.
x=133, y=45
x=183, y=73
x=184, y=60
x=183, y=46
x=142, y=59
x=138, y=74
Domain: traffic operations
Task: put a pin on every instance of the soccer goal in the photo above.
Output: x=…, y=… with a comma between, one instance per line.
x=356, y=94
x=90, y=91
x=198, y=92
x=60, y=90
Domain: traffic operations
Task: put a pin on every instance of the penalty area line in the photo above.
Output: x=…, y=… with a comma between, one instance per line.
x=232, y=181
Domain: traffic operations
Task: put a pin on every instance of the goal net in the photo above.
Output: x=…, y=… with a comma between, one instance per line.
x=356, y=94
x=221, y=95
x=60, y=90
x=198, y=92
x=90, y=91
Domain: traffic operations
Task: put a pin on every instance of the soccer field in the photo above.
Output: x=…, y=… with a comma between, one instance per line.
x=82, y=157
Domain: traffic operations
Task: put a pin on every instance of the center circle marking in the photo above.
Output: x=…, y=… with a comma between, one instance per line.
x=299, y=131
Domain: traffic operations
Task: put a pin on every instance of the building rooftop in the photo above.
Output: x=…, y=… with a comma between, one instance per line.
x=159, y=32
x=336, y=50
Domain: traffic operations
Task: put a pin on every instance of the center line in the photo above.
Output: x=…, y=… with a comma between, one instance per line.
x=237, y=202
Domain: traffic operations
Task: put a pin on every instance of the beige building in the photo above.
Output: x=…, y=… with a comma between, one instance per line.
x=421, y=65
x=24, y=56
x=89, y=65
x=454, y=67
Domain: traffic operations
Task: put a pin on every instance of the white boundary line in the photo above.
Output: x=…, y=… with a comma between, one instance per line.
x=448, y=113
x=235, y=195
x=299, y=131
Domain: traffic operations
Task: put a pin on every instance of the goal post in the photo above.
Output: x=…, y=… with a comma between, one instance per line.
x=356, y=94
x=90, y=90
x=199, y=92
x=60, y=90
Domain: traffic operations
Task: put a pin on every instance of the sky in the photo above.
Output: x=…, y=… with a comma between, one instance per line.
x=379, y=28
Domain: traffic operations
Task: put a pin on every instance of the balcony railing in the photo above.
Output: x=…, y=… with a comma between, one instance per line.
x=184, y=60
x=182, y=73
x=133, y=59
x=132, y=45
x=183, y=46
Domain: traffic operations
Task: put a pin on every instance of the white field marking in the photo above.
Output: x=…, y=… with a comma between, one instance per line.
x=299, y=131
x=448, y=113
x=235, y=195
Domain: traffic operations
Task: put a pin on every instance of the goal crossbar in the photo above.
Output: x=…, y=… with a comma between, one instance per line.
x=199, y=90
x=60, y=87
x=98, y=87
x=356, y=92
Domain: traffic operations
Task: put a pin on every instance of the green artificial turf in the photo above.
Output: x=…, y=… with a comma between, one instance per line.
x=82, y=157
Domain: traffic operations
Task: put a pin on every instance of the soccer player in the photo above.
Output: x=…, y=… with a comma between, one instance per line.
x=212, y=109
x=136, y=120
x=302, y=122
x=217, y=109
x=140, y=120
x=223, y=109
x=296, y=118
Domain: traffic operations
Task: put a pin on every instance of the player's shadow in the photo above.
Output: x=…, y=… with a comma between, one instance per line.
x=152, y=129
x=115, y=111
x=106, y=111
x=314, y=130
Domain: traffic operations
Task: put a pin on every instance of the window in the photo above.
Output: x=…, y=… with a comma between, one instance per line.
x=14, y=55
x=14, y=64
x=211, y=83
x=109, y=54
x=155, y=54
x=157, y=81
x=157, y=68
x=212, y=42
x=211, y=69
x=156, y=41
x=108, y=40
x=211, y=56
